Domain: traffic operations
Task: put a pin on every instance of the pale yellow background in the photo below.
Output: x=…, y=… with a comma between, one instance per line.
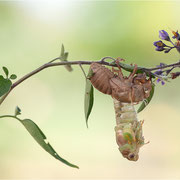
x=31, y=33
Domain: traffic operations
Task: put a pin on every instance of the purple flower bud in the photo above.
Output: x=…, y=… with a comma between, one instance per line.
x=159, y=44
x=162, y=82
x=161, y=65
x=158, y=72
x=164, y=35
x=159, y=49
x=159, y=80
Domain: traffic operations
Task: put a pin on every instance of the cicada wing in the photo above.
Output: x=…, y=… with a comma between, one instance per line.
x=101, y=78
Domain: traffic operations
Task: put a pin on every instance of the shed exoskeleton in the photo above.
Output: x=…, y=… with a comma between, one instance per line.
x=125, y=91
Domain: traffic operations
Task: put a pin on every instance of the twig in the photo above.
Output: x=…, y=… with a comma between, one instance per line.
x=83, y=71
x=52, y=64
x=165, y=66
x=54, y=59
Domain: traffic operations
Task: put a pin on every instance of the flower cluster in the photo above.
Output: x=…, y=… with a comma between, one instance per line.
x=163, y=35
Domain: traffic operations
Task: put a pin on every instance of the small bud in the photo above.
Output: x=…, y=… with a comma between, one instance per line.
x=164, y=35
x=175, y=75
x=17, y=111
x=160, y=80
x=177, y=46
x=176, y=35
x=159, y=45
x=158, y=72
x=159, y=49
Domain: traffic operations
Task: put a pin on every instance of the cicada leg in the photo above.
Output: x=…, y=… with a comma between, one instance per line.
x=120, y=74
x=134, y=72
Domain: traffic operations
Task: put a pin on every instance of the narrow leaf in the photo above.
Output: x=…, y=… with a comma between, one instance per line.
x=147, y=101
x=6, y=71
x=63, y=57
x=13, y=76
x=40, y=138
x=62, y=51
x=68, y=67
x=89, y=99
x=5, y=85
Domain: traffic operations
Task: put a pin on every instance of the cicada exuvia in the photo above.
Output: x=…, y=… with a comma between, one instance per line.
x=126, y=92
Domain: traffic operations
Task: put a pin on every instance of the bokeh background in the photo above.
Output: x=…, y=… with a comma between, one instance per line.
x=31, y=33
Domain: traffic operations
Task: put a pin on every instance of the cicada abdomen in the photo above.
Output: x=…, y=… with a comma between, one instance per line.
x=125, y=91
x=101, y=77
x=128, y=130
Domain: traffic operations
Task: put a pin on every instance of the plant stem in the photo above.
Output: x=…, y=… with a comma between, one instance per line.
x=52, y=64
x=11, y=116
x=83, y=71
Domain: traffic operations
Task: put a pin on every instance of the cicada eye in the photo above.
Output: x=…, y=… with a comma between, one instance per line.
x=131, y=156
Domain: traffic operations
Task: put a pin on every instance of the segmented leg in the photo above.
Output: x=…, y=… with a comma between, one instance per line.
x=134, y=72
x=120, y=74
x=114, y=70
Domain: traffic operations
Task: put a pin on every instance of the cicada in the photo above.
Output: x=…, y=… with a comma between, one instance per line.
x=126, y=92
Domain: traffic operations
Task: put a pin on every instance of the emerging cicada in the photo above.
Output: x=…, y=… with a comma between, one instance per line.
x=126, y=92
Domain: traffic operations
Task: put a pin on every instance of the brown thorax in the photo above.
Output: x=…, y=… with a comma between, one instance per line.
x=133, y=88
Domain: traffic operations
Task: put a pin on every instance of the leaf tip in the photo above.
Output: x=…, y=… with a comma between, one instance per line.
x=5, y=69
x=77, y=167
x=87, y=126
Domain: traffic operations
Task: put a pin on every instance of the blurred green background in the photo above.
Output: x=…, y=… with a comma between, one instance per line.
x=31, y=33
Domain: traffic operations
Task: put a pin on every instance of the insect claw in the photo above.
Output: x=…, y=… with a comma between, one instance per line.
x=142, y=122
x=120, y=74
x=147, y=142
x=120, y=59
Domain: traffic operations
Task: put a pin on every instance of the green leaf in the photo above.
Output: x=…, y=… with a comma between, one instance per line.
x=66, y=56
x=147, y=101
x=88, y=100
x=39, y=136
x=6, y=71
x=63, y=57
x=5, y=85
x=68, y=67
x=13, y=76
x=62, y=51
